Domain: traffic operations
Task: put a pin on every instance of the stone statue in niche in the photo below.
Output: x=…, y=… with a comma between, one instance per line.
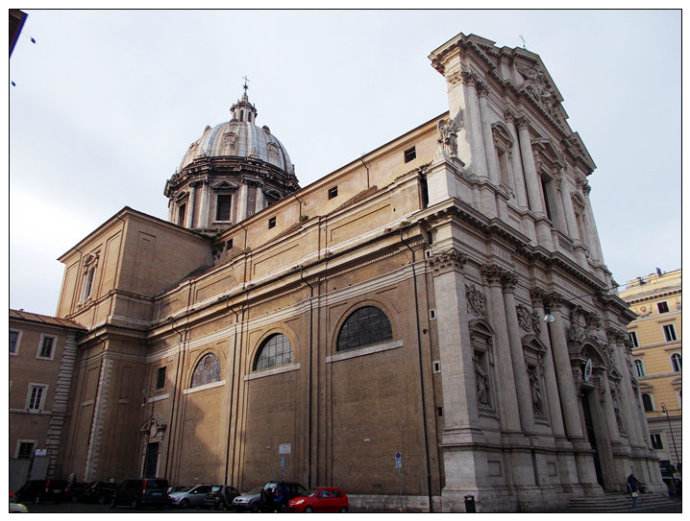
x=536, y=322
x=483, y=389
x=448, y=135
x=476, y=301
x=537, y=393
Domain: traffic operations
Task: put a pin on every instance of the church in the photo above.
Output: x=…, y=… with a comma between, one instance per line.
x=433, y=320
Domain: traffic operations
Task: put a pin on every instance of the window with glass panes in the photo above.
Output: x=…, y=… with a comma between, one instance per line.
x=274, y=352
x=223, y=206
x=26, y=448
x=633, y=339
x=36, y=397
x=14, y=341
x=676, y=362
x=47, y=345
x=669, y=332
x=366, y=326
x=160, y=378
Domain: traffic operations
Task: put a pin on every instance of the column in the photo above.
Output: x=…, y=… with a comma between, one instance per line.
x=478, y=162
x=549, y=371
x=243, y=201
x=204, y=206
x=491, y=157
x=524, y=392
x=189, y=218
x=508, y=403
x=558, y=209
x=531, y=176
x=594, y=242
x=460, y=413
x=100, y=411
x=614, y=433
x=519, y=175
x=567, y=199
x=564, y=372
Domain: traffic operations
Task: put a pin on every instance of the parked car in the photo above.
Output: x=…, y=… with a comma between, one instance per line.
x=221, y=497
x=38, y=490
x=101, y=492
x=321, y=499
x=142, y=492
x=249, y=501
x=178, y=488
x=193, y=497
x=276, y=494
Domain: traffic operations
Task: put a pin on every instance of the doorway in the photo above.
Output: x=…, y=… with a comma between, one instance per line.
x=591, y=437
x=151, y=460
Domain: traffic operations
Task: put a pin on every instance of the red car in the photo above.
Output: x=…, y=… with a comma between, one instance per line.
x=321, y=499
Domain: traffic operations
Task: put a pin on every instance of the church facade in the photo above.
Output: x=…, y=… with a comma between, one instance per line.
x=432, y=320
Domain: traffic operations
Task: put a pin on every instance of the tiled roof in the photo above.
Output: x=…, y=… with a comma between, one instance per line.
x=44, y=319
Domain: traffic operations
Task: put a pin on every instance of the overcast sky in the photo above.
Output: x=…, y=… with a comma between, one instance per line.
x=107, y=102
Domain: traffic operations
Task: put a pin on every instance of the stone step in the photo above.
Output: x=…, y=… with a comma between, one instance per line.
x=623, y=503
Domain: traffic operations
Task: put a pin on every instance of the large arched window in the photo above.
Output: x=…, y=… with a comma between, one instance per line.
x=206, y=371
x=274, y=352
x=647, y=402
x=366, y=326
x=676, y=362
x=639, y=367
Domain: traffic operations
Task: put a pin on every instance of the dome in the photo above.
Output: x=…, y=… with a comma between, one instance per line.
x=242, y=138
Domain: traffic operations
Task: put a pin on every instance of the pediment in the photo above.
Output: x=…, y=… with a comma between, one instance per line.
x=224, y=185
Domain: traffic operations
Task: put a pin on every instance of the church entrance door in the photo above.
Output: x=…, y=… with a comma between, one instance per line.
x=151, y=460
x=591, y=437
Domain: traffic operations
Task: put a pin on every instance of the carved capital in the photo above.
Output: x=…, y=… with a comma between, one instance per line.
x=482, y=88
x=493, y=273
x=468, y=77
x=448, y=260
x=521, y=121
x=553, y=300
x=537, y=295
x=509, y=280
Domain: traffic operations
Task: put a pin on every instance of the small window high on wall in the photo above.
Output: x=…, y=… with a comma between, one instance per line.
x=223, y=207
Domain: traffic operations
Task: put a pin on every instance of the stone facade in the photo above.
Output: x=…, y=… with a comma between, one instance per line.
x=457, y=238
x=656, y=340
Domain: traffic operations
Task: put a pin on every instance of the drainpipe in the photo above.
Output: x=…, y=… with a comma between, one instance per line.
x=421, y=373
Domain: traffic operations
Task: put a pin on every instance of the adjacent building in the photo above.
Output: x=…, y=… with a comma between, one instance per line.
x=655, y=336
x=42, y=352
x=432, y=320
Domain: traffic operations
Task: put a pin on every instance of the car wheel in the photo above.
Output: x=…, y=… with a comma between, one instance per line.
x=344, y=509
x=184, y=503
x=309, y=509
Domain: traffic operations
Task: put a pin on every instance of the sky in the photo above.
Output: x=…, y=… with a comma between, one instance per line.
x=105, y=104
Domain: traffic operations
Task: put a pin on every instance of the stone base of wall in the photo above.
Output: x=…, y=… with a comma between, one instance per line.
x=389, y=503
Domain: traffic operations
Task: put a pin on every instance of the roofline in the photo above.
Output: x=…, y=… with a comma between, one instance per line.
x=131, y=211
x=339, y=170
x=74, y=325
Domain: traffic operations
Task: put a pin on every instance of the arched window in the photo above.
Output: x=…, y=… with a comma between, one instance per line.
x=676, y=362
x=366, y=326
x=274, y=352
x=639, y=368
x=647, y=402
x=206, y=371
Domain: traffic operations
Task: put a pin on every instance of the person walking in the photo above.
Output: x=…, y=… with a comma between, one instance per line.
x=633, y=488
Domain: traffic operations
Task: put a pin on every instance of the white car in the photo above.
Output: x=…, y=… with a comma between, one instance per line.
x=18, y=508
x=193, y=497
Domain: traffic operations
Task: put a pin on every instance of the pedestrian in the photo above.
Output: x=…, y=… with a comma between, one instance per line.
x=633, y=488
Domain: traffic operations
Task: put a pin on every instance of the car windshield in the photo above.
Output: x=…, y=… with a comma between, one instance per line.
x=216, y=488
x=181, y=489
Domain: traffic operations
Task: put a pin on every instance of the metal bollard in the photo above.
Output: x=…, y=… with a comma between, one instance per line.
x=470, y=506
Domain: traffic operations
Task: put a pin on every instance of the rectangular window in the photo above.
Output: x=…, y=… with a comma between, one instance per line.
x=45, y=350
x=88, y=283
x=271, y=223
x=656, y=441
x=228, y=245
x=333, y=192
x=160, y=378
x=633, y=339
x=410, y=154
x=223, y=205
x=670, y=332
x=25, y=450
x=180, y=214
x=662, y=306
x=14, y=342
x=36, y=397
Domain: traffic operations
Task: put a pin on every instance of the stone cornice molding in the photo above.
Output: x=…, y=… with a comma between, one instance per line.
x=448, y=260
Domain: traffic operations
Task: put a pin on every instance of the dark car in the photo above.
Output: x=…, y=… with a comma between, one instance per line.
x=38, y=490
x=221, y=497
x=275, y=495
x=142, y=492
x=249, y=501
x=101, y=492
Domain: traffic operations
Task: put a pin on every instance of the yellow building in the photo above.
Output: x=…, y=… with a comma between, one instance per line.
x=655, y=337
